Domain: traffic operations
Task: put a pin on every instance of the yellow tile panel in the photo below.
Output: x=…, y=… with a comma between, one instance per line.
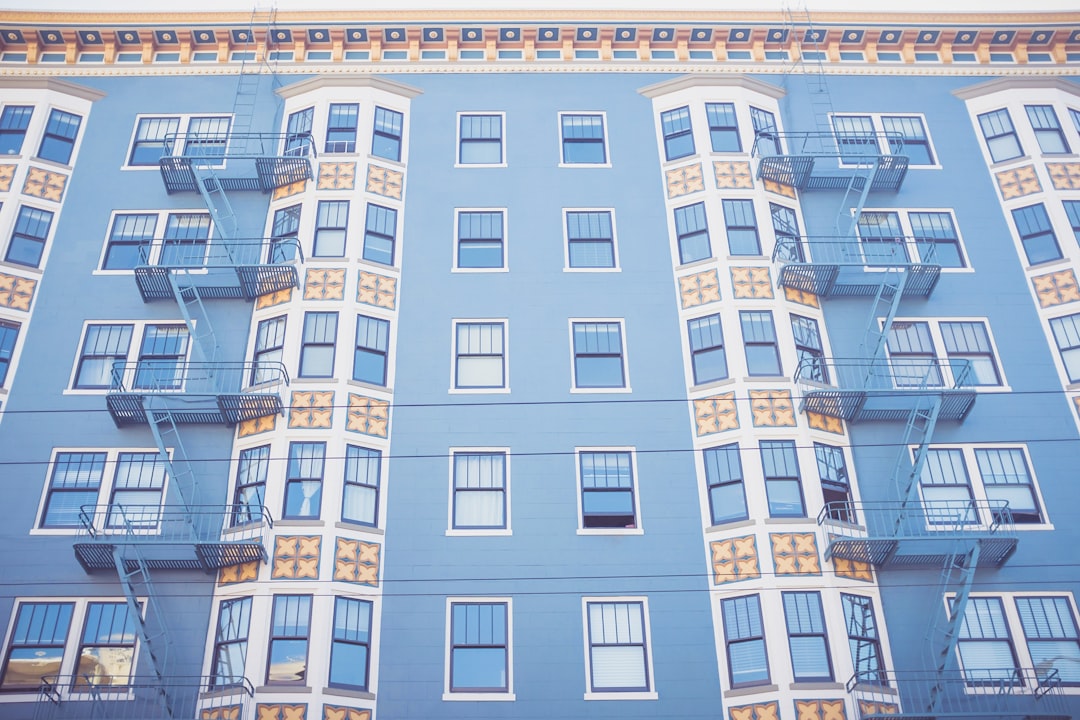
x=229, y=712
x=296, y=557
x=311, y=409
x=716, y=414
x=826, y=423
x=45, y=184
x=255, y=426
x=16, y=292
x=772, y=408
x=795, y=553
x=377, y=290
x=382, y=181
x=684, y=180
x=757, y=711
x=244, y=572
x=801, y=296
x=274, y=298
x=279, y=711
x=334, y=712
x=734, y=560
x=337, y=176
x=289, y=190
x=357, y=562
x=368, y=415
x=1064, y=176
x=820, y=710
x=1056, y=288
x=1018, y=182
x=780, y=189
x=324, y=284
x=732, y=175
x=7, y=176
x=699, y=289
x=751, y=282
x=869, y=707
x=853, y=569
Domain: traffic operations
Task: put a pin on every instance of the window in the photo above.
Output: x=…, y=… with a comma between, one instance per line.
x=380, y=228
x=386, y=138
x=1067, y=336
x=723, y=473
x=723, y=129
x=985, y=647
x=186, y=236
x=1048, y=132
x=707, y=356
x=479, y=639
x=678, y=135
x=1007, y=478
x=479, y=498
x=350, y=648
x=480, y=239
x=741, y=224
x=36, y=645
x=480, y=140
x=230, y=642
x=617, y=646
x=138, y=491
x=807, y=640
x=58, y=142
x=284, y=234
x=479, y=355
x=590, y=239
x=912, y=141
x=863, y=639
x=162, y=357
x=859, y=136
x=360, y=500
x=134, y=240
x=936, y=239
x=1036, y=234
x=1049, y=629
x=946, y=489
x=759, y=342
x=9, y=335
x=782, y=485
x=1075, y=115
x=855, y=137
x=289, y=627
x=1000, y=135
x=766, y=137
x=106, y=653
x=789, y=244
x=74, y=482
x=607, y=489
x=969, y=353
x=1072, y=211
x=598, y=355
x=28, y=236
x=882, y=239
x=207, y=136
x=152, y=139
x=14, y=121
x=808, y=349
x=835, y=487
x=692, y=232
x=954, y=477
x=269, y=350
x=744, y=641
x=341, y=129
x=298, y=132
x=331, y=223
x=912, y=357
x=251, y=473
x=317, y=347
x=104, y=348
x=372, y=341
x=303, y=482
x=583, y=140
x=129, y=241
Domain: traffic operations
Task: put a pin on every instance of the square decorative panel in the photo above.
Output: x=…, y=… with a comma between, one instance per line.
x=699, y=289
x=780, y=189
x=751, y=282
x=357, y=562
x=868, y=707
x=1018, y=182
x=772, y=408
x=368, y=415
x=311, y=409
x=684, y=180
x=7, y=174
x=827, y=423
x=382, y=181
x=1056, y=288
x=337, y=176
x=45, y=184
x=293, y=188
x=334, y=712
x=16, y=292
x=1064, y=176
x=853, y=569
x=801, y=296
x=820, y=710
x=795, y=553
x=244, y=572
x=377, y=290
x=266, y=423
x=278, y=711
x=296, y=557
x=732, y=175
x=757, y=711
x=229, y=712
x=716, y=414
x=735, y=559
x=274, y=298
x=324, y=284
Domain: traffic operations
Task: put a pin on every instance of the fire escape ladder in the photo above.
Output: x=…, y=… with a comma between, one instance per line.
x=958, y=574
x=180, y=473
x=797, y=19
x=213, y=193
x=254, y=61
x=193, y=310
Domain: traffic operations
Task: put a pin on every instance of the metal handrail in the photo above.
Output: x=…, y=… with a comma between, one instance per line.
x=153, y=523
x=902, y=375
x=897, y=251
x=238, y=145
x=826, y=144
x=926, y=519
x=218, y=253
x=169, y=376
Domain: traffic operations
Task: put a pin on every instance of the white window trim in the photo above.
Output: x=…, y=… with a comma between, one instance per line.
x=629, y=695
x=71, y=646
x=505, y=238
x=978, y=487
x=942, y=356
x=905, y=227
x=509, y=694
x=457, y=139
x=158, y=240
x=879, y=129
x=625, y=353
x=11, y=214
x=137, y=332
x=559, y=137
x=451, y=531
x=566, y=242
x=185, y=121
x=639, y=528
x=13, y=365
x=454, y=389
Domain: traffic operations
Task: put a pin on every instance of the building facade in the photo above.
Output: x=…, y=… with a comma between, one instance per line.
x=495, y=365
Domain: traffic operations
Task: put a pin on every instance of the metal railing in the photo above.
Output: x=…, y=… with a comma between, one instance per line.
x=900, y=374
x=853, y=146
x=167, y=376
x=926, y=519
x=221, y=146
x=855, y=251
x=219, y=253
x=156, y=524
x=83, y=697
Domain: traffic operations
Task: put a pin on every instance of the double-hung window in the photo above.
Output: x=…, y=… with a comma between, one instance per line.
x=692, y=231
x=331, y=224
x=608, y=498
x=480, y=497
x=1051, y=636
x=783, y=487
x=807, y=639
x=28, y=237
x=290, y=627
x=1047, y=127
x=1006, y=478
x=269, y=350
x=906, y=135
x=372, y=346
x=1066, y=332
x=864, y=641
x=1000, y=135
x=707, y=357
x=1036, y=234
x=130, y=241
x=479, y=355
x=741, y=224
x=723, y=128
x=386, y=137
x=138, y=491
x=298, y=132
x=185, y=239
x=480, y=240
x=727, y=493
x=153, y=138
x=14, y=121
x=350, y=648
x=582, y=138
x=766, y=135
x=678, y=134
x=360, y=498
x=936, y=239
x=480, y=140
x=104, y=351
x=946, y=488
x=598, y=355
x=744, y=641
x=973, y=484
x=882, y=239
x=1072, y=211
x=341, y=128
x=985, y=645
x=106, y=654
x=303, y=480
x=230, y=642
x=912, y=357
x=789, y=244
x=479, y=647
x=617, y=646
x=9, y=335
x=759, y=342
x=251, y=473
x=162, y=358
x=969, y=353
x=835, y=487
x=380, y=229
x=58, y=142
x=207, y=136
x=318, y=344
x=808, y=349
x=36, y=645
x=75, y=481
x=855, y=137
x=284, y=234
x=590, y=239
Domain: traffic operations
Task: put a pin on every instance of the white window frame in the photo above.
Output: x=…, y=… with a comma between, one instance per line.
x=566, y=241
x=452, y=531
x=458, y=212
x=942, y=357
x=137, y=332
x=10, y=213
x=635, y=488
x=509, y=694
x=70, y=660
x=505, y=388
x=650, y=676
x=879, y=130
x=185, y=122
x=905, y=226
x=559, y=137
x=13, y=364
x=158, y=240
x=457, y=138
x=625, y=353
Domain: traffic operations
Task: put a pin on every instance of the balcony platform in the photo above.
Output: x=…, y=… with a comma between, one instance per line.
x=834, y=267
x=141, y=697
x=234, y=162
x=822, y=161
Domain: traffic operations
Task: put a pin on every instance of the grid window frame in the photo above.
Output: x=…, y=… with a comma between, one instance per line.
x=929, y=344
x=342, y=125
x=29, y=634
x=293, y=631
x=231, y=636
x=350, y=634
x=298, y=128
x=781, y=473
x=14, y=123
x=304, y=480
x=28, y=243
x=805, y=620
x=60, y=136
x=809, y=348
x=362, y=479
x=743, y=627
x=465, y=614
x=267, y=346
x=1049, y=133
x=607, y=613
x=371, y=350
x=185, y=122
x=466, y=127
x=692, y=240
x=872, y=136
x=153, y=237
x=475, y=346
x=590, y=227
x=249, y=492
x=388, y=134
x=583, y=142
x=759, y=335
x=864, y=637
x=9, y=345
x=723, y=127
x=586, y=330
x=153, y=364
x=108, y=630
x=330, y=236
x=677, y=133
x=480, y=233
x=999, y=136
x=725, y=483
x=470, y=480
x=1035, y=231
x=1065, y=332
x=741, y=227
x=835, y=480
x=705, y=339
x=380, y=235
x=318, y=342
x=593, y=466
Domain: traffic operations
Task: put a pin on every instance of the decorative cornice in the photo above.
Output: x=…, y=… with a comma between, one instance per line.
x=1017, y=83
x=692, y=81
x=51, y=84
x=350, y=80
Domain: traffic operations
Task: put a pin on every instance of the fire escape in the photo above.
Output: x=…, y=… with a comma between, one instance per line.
x=183, y=534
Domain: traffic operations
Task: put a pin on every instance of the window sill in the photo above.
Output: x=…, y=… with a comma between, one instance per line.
x=20, y=266
x=615, y=269
x=579, y=391
x=478, y=391
x=331, y=380
x=52, y=163
x=767, y=379
x=585, y=165
x=621, y=696
x=345, y=692
x=297, y=522
x=283, y=689
x=476, y=696
x=733, y=525
x=816, y=686
x=379, y=159
x=684, y=160
x=875, y=689
x=711, y=385
x=1010, y=161
x=479, y=165
x=357, y=527
x=479, y=270
x=478, y=532
x=790, y=521
x=611, y=531
x=1064, y=261
x=751, y=690
x=369, y=386
x=744, y=258
x=693, y=264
